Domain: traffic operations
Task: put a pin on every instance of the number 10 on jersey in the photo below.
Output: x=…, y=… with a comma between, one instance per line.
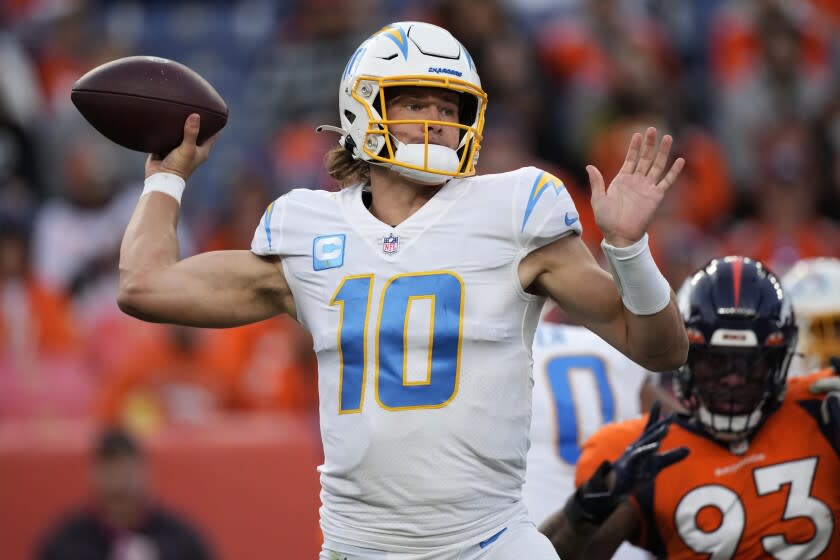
x=394, y=391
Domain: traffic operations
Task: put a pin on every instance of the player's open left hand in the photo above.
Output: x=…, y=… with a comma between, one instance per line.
x=624, y=211
x=184, y=159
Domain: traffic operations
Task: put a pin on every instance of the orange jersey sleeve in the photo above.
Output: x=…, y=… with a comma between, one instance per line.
x=799, y=387
x=607, y=444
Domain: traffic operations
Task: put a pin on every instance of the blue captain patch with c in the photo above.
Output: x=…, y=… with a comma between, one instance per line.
x=328, y=251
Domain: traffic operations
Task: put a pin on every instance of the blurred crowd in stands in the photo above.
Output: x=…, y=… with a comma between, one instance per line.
x=750, y=89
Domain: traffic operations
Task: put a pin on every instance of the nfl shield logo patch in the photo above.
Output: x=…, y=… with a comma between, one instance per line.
x=391, y=244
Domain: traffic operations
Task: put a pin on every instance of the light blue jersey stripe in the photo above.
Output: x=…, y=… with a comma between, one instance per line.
x=267, y=223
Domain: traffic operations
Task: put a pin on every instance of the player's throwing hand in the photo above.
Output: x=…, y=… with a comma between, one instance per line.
x=184, y=159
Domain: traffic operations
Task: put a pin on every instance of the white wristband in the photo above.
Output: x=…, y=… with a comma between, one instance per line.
x=643, y=289
x=167, y=183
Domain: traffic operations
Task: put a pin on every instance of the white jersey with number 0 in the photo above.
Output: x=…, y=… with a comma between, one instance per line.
x=580, y=384
x=423, y=336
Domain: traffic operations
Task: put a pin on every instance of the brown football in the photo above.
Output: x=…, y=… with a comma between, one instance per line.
x=141, y=102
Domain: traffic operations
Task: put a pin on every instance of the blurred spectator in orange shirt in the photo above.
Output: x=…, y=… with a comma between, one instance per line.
x=297, y=158
x=788, y=226
x=605, y=50
x=748, y=35
x=507, y=62
x=41, y=367
x=698, y=203
x=71, y=42
x=171, y=375
x=74, y=247
x=770, y=62
x=246, y=194
x=702, y=196
x=183, y=374
x=270, y=364
x=828, y=8
x=33, y=315
x=174, y=374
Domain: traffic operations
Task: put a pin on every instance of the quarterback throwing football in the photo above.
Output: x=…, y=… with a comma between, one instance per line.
x=421, y=285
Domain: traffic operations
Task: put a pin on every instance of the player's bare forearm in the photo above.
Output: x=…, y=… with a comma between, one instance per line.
x=218, y=289
x=150, y=241
x=569, y=540
x=657, y=341
x=583, y=540
x=567, y=272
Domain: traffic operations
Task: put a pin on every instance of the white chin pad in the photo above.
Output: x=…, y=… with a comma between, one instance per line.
x=441, y=158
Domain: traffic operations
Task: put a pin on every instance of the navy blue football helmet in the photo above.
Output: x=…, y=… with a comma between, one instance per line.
x=742, y=336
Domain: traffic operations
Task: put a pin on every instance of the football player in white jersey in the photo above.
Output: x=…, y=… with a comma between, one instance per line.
x=814, y=288
x=580, y=384
x=421, y=285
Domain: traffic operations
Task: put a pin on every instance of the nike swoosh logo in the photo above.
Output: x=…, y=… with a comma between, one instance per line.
x=570, y=220
x=491, y=540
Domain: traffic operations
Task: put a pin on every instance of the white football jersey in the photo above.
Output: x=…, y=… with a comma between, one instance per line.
x=423, y=336
x=580, y=384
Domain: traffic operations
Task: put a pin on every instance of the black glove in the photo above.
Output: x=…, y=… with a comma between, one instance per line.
x=830, y=408
x=640, y=463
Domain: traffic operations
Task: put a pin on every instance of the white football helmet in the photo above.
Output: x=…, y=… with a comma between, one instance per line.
x=814, y=287
x=417, y=54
